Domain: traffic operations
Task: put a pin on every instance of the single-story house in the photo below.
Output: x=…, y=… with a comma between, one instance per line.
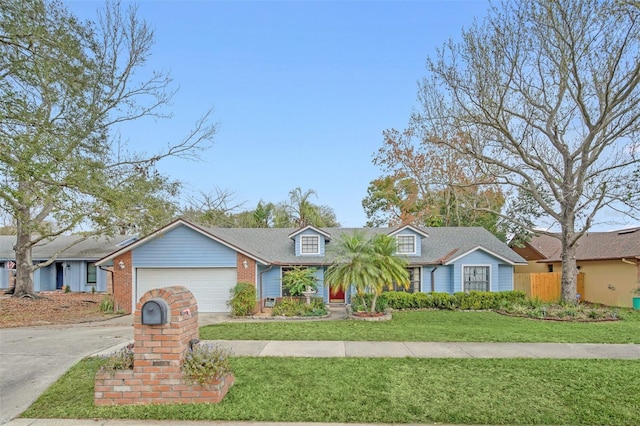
x=74, y=265
x=210, y=261
x=610, y=262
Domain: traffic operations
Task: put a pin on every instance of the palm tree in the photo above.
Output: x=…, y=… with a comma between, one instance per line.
x=391, y=267
x=369, y=265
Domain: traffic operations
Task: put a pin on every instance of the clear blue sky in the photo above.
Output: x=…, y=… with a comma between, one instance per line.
x=302, y=89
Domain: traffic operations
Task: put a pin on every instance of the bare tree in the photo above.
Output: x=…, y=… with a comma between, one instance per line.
x=546, y=97
x=216, y=208
x=65, y=87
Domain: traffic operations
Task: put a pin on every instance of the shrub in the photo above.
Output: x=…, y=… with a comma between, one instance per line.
x=121, y=360
x=288, y=307
x=298, y=279
x=474, y=300
x=401, y=300
x=243, y=299
x=296, y=307
x=382, y=303
x=443, y=301
x=205, y=364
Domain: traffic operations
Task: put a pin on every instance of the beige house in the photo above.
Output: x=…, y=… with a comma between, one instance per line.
x=610, y=262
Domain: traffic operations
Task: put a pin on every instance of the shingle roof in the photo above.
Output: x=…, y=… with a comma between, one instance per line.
x=593, y=245
x=92, y=248
x=274, y=245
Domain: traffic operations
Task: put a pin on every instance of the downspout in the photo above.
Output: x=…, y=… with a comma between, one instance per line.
x=433, y=279
x=113, y=289
x=262, y=298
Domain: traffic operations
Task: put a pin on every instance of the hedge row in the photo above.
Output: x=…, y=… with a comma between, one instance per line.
x=474, y=300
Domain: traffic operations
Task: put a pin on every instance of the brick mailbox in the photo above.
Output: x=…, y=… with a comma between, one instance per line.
x=165, y=329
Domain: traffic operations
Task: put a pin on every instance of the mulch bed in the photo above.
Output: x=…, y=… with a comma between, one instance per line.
x=51, y=308
x=558, y=319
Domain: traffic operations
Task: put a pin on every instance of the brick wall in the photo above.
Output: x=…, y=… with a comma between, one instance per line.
x=159, y=352
x=247, y=274
x=123, y=283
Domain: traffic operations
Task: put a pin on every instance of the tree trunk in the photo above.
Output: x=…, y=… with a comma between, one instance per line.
x=24, y=263
x=569, y=269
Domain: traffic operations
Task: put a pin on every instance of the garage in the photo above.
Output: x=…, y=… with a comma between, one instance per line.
x=210, y=286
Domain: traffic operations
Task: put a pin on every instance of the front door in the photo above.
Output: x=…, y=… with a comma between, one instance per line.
x=59, y=276
x=336, y=295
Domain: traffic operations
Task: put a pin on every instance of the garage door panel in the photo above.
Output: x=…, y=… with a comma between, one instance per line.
x=210, y=286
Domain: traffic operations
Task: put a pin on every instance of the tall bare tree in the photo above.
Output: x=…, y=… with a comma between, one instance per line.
x=546, y=96
x=65, y=87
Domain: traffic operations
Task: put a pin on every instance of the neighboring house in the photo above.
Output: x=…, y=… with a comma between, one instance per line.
x=74, y=265
x=210, y=261
x=610, y=262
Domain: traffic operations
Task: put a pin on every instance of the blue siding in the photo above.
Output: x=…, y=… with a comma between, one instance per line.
x=310, y=232
x=75, y=276
x=271, y=283
x=443, y=276
x=183, y=247
x=4, y=278
x=505, y=282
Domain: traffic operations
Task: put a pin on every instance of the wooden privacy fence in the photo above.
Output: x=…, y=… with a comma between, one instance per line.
x=544, y=285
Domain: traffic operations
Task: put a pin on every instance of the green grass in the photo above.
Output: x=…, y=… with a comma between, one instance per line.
x=463, y=391
x=435, y=326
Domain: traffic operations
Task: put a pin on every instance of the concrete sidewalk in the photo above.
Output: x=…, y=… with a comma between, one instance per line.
x=327, y=349
x=341, y=349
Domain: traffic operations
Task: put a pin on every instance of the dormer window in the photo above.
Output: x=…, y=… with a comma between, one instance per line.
x=309, y=244
x=406, y=244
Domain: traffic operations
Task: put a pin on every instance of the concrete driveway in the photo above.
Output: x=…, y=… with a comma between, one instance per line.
x=32, y=358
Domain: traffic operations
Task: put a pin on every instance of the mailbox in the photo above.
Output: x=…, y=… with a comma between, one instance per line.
x=154, y=312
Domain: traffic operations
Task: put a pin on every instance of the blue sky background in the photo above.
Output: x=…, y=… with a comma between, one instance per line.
x=302, y=89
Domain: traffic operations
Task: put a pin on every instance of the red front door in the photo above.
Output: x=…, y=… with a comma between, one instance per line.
x=336, y=295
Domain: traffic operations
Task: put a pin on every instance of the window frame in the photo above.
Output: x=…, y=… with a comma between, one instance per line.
x=488, y=269
x=414, y=244
x=95, y=274
x=303, y=245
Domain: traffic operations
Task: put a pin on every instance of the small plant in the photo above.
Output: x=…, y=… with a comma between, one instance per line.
x=107, y=303
x=66, y=289
x=206, y=364
x=299, y=280
x=121, y=360
x=93, y=289
x=243, y=299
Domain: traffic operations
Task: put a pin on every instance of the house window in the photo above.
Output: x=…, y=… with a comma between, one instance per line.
x=406, y=244
x=414, y=282
x=475, y=278
x=309, y=245
x=91, y=273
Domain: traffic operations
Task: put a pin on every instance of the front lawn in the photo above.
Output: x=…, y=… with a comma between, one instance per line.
x=435, y=326
x=462, y=391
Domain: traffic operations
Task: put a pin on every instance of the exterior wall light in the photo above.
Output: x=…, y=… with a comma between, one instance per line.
x=121, y=264
x=245, y=264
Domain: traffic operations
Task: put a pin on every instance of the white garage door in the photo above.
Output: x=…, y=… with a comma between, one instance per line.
x=210, y=286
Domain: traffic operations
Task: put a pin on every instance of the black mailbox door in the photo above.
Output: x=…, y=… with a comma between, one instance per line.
x=154, y=312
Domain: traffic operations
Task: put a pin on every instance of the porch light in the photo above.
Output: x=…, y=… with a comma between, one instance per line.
x=121, y=264
x=245, y=264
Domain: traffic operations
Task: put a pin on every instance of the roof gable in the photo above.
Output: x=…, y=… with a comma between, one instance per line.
x=326, y=235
